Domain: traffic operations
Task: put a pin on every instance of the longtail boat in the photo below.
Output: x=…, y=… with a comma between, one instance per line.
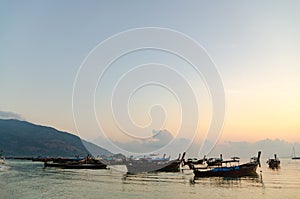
x=86, y=163
x=273, y=162
x=247, y=169
x=147, y=164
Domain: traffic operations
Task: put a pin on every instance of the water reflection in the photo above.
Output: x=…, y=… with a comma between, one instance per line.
x=253, y=180
x=152, y=177
x=181, y=178
x=275, y=168
x=30, y=180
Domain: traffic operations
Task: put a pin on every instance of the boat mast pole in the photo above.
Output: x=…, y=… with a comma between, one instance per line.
x=293, y=153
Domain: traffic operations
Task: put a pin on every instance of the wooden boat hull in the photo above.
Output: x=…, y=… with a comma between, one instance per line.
x=171, y=167
x=144, y=165
x=76, y=166
x=248, y=169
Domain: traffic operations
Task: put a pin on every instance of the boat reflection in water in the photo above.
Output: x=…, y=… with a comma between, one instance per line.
x=254, y=180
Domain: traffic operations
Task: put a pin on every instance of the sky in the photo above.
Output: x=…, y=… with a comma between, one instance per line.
x=254, y=46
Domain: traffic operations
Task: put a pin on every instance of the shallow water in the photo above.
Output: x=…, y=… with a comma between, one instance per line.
x=25, y=179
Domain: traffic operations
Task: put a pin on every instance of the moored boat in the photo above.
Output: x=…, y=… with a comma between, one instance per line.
x=273, y=162
x=294, y=157
x=86, y=163
x=247, y=169
x=148, y=164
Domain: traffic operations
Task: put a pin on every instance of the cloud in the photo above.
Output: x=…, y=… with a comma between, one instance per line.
x=10, y=115
x=159, y=139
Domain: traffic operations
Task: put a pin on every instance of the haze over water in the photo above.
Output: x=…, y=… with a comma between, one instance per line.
x=25, y=179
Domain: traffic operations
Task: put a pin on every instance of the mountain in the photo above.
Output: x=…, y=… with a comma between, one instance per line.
x=21, y=138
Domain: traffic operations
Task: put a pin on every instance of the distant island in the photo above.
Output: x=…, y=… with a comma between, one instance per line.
x=21, y=138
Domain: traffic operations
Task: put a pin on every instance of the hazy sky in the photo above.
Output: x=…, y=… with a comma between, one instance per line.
x=254, y=44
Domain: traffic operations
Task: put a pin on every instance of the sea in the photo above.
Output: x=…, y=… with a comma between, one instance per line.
x=26, y=179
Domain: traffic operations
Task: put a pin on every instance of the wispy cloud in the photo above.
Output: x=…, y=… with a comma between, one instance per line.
x=10, y=115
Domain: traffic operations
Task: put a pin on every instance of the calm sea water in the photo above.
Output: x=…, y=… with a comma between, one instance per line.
x=25, y=179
